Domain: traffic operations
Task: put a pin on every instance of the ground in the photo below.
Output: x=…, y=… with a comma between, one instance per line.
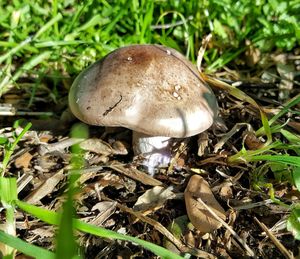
x=110, y=184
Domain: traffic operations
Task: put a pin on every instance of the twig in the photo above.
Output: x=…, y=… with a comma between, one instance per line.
x=159, y=227
x=236, y=236
x=9, y=110
x=134, y=174
x=59, y=146
x=248, y=206
x=276, y=242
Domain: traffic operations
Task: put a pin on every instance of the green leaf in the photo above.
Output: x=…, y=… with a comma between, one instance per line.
x=285, y=159
x=3, y=140
x=296, y=177
x=293, y=223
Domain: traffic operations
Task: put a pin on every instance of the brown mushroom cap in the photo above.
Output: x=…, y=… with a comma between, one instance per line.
x=150, y=89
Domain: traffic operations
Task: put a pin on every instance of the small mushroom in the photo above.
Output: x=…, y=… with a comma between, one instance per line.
x=152, y=90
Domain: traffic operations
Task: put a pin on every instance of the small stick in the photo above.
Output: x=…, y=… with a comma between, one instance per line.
x=241, y=241
x=59, y=146
x=276, y=242
x=9, y=110
x=165, y=232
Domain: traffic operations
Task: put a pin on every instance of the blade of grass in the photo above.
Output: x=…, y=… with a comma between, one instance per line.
x=44, y=44
x=286, y=108
x=24, y=247
x=15, y=49
x=4, y=87
x=11, y=149
x=48, y=25
x=67, y=247
x=54, y=13
x=296, y=177
x=8, y=194
x=54, y=219
x=285, y=159
x=223, y=60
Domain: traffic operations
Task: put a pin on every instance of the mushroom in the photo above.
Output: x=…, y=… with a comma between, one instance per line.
x=152, y=90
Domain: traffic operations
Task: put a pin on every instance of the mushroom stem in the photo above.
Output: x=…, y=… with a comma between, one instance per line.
x=155, y=150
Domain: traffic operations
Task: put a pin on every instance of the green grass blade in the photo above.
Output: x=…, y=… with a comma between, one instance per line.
x=285, y=159
x=24, y=247
x=34, y=61
x=54, y=219
x=48, y=25
x=11, y=149
x=15, y=49
x=44, y=44
x=8, y=194
x=286, y=108
x=67, y=247
x=160, y=251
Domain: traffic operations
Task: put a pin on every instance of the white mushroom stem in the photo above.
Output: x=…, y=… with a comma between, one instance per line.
x=154, y=149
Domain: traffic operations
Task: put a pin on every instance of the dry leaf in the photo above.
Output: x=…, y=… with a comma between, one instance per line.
x=120, y=147
x=226, y=192
x=45, y=188
x=251, y=141
x=45, y=163
x=43, y=231
x=153, y=198
x=23, y=161
x=198, y=188
x=97, y=146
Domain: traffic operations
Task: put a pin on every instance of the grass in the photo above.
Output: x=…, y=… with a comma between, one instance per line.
x=44, y=44
x=46, y=39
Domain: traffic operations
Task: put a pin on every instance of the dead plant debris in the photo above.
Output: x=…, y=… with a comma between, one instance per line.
x=228, y=205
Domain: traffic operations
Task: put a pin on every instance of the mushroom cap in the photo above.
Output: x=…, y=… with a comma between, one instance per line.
x=150, y=89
